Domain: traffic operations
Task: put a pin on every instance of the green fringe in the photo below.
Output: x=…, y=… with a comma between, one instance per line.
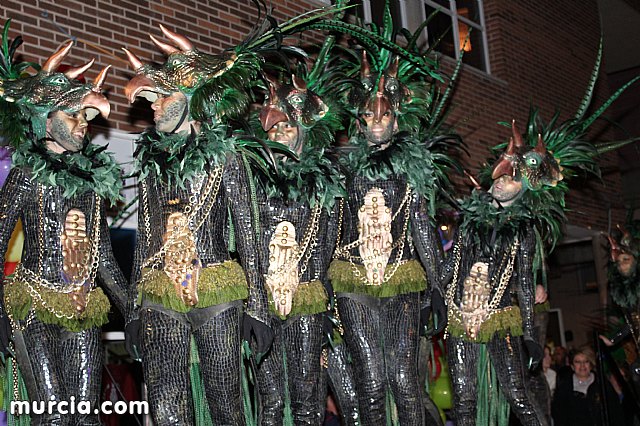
x=251, y=412
x=13, y=420
x=310, y=298
x=503, y=321
x=336, y=338
x=200, y=403
x=541, y=307
x=217, y=284
x=287, y=416
x=492, y=406
x=409, y=278
x=19, y=303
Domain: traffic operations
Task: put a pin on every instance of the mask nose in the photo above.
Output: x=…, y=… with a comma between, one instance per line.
x=82, y=121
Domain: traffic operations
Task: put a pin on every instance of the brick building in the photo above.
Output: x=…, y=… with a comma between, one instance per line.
x=531, y=52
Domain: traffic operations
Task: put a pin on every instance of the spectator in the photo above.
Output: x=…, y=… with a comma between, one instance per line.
x=560, y=364
x=578, y=397
x=549, y=373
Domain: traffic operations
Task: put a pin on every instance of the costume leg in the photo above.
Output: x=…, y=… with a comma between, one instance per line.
x=362, y=335
x=218, y=336
x=81, y=364
x=302, y=337
x=506, y=357
x=343, y=386
x=41, y=356
x=165, y=364
x=539, y=390
x=400, y=322
x=462, y=358
x=271, y=380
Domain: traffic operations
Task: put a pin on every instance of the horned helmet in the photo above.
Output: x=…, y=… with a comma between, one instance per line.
x=292, y=102
x=374, y=85
x=624, y=251
x=47, y=91
x=535, y=166
x=379, y=95
x=206, y=80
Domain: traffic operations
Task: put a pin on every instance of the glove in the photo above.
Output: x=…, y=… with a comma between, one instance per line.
x=5, y=335
x=132, y=339
x=535, y=352
x=262, y=333
x=439, y=309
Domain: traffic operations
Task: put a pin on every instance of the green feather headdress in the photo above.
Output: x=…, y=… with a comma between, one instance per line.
x=408, y=77
x=544, y=158
x=311, y=101
x=25, y=104
x=624, y=279
x=13, y=119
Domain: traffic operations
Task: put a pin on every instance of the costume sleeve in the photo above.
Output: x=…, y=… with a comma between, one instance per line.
x=141, y=251
x=449, y=262
x=621, y=334
x=11, y=200
x=426, y=242
x=525, y=285
x=328, y=234
x=109, y=271
x=12, y=197
x=236, y=187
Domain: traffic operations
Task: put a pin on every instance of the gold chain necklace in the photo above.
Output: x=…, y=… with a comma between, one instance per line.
x=196, y=204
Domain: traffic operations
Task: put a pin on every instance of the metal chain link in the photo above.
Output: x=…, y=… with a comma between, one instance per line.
x=209, y=195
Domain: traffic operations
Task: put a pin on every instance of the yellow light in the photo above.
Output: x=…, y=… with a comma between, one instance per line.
x=444, y=227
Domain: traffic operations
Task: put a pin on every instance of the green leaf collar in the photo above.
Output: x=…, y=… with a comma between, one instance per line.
x=176, y=158
x=90, y=169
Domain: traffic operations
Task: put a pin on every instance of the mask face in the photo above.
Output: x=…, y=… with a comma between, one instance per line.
x=626, y=264
x=505, y=189
x=286, y=133
x=169, y=112
x=68, y=130
x=379, y=128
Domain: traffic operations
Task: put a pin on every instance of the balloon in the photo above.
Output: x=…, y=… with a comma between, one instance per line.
x=10, y=268
x=5, y=163
x=441, y=392
x=14, y=253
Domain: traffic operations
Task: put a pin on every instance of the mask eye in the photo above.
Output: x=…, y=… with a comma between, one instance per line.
x=532, y=160
x=58, y=80
x=296, y=100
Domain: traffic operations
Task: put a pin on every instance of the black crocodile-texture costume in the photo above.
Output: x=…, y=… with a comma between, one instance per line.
x=57, y=363
x=506, y=353
x=382, y=333
x=342, y=382
x=216, y=329
x=298, y=339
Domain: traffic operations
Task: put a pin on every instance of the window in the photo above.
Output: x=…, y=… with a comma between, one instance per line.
x=458, y=25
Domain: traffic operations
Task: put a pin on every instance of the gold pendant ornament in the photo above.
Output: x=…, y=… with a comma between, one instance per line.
x=374, y=229
x=283, y=276
x=76, y=257
x=181, y=262
x=475, y=298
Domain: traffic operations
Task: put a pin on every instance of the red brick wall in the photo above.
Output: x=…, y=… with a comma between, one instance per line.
x=541, y=52
x=103, y=27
